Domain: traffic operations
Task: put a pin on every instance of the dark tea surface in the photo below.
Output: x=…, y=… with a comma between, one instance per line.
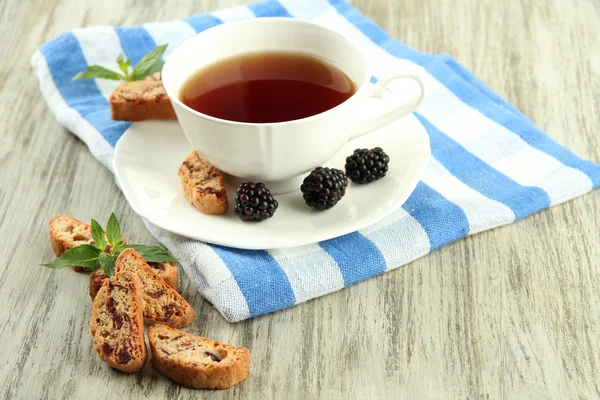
x=267, y=87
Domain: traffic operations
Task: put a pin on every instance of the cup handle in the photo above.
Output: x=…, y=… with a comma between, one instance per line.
x=398, y=112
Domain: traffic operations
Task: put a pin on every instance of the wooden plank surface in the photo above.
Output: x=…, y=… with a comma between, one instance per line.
x=510, y=313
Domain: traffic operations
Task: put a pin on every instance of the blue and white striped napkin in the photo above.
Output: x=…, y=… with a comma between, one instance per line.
x=490, y=166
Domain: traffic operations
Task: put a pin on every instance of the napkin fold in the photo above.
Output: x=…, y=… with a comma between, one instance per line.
x=490, y=166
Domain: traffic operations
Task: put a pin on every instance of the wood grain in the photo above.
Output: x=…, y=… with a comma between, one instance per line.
x=510, y=313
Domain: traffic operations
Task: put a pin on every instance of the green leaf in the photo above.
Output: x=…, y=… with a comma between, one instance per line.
x=113, y=231
x=152, y=254
x=98, y=236
x=147, y=62
x=107, y=262
x=98, y=72
x=85, y=256
x=124, y=63
x=156, y=68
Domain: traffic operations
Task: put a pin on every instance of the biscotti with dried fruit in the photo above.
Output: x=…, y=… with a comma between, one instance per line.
x=202, y=185
x=162, y=303
x=196, y=362
x=67, y=232
x=141, y=100
x=167, y=271
x=117, y=323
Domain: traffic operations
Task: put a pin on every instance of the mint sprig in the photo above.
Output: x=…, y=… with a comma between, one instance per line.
x=107, y=262
x=98, y=236
x=85, y=256
x=144, y=67
x=103, y=254
x=148, y=65
x=113, y=232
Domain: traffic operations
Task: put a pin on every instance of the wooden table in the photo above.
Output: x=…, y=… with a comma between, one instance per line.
x=510, y=313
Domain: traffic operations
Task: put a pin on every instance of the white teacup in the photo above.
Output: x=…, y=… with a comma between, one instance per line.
x=279, y=154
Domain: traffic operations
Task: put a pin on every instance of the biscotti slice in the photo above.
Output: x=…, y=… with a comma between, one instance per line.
x=140, y=101
x=166, y=271
x=117, y=323
x=157, y=76
x=203, y=185
x=195, y=361
x=162, y=303
x=67, y=232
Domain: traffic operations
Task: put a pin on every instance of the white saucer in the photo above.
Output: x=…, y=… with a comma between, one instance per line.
x=148, y=155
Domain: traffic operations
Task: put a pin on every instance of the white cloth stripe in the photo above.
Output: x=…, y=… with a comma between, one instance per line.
x=441, y=98
x=481, y=212
x=174, y=33
x=67, y=116
x=531, y=167
x=105, y=55
x=306, y=9
x=399, y=237
x=233, y=14
x=311, y=271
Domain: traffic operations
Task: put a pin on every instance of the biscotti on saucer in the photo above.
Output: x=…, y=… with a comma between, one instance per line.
x=202, y=185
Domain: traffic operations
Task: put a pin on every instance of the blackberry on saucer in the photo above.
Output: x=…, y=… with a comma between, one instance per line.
x=254, y=202
x=367, y=165
x=324, y=187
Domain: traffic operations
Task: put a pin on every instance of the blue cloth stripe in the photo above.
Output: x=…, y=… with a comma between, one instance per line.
x=501, y=114
x=504, y=116
x=83, y=96
x=261, y=279
x=356, y=256
x=522, y=200
x=135, y=42
x=269, y=8
x=443, y=221
x=202, y=22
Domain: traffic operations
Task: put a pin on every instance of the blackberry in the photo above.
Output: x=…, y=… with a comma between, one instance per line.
x=324, y=187
x=254, y=202
x=365, y=165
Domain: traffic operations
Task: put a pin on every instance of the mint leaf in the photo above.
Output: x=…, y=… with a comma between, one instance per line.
x=142, y=68
x=124, y=64
x=107, y=263
x=151, y=254
x=156, y=68
x=113, y=231
x=98, y=236
x=98, y=72
x=85, y=256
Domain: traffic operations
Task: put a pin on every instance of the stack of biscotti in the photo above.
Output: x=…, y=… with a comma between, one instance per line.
x=141, y=291
x=136, y=293
x=141, y=100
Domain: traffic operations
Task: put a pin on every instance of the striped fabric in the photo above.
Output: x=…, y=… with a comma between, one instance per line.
x=491, y=166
